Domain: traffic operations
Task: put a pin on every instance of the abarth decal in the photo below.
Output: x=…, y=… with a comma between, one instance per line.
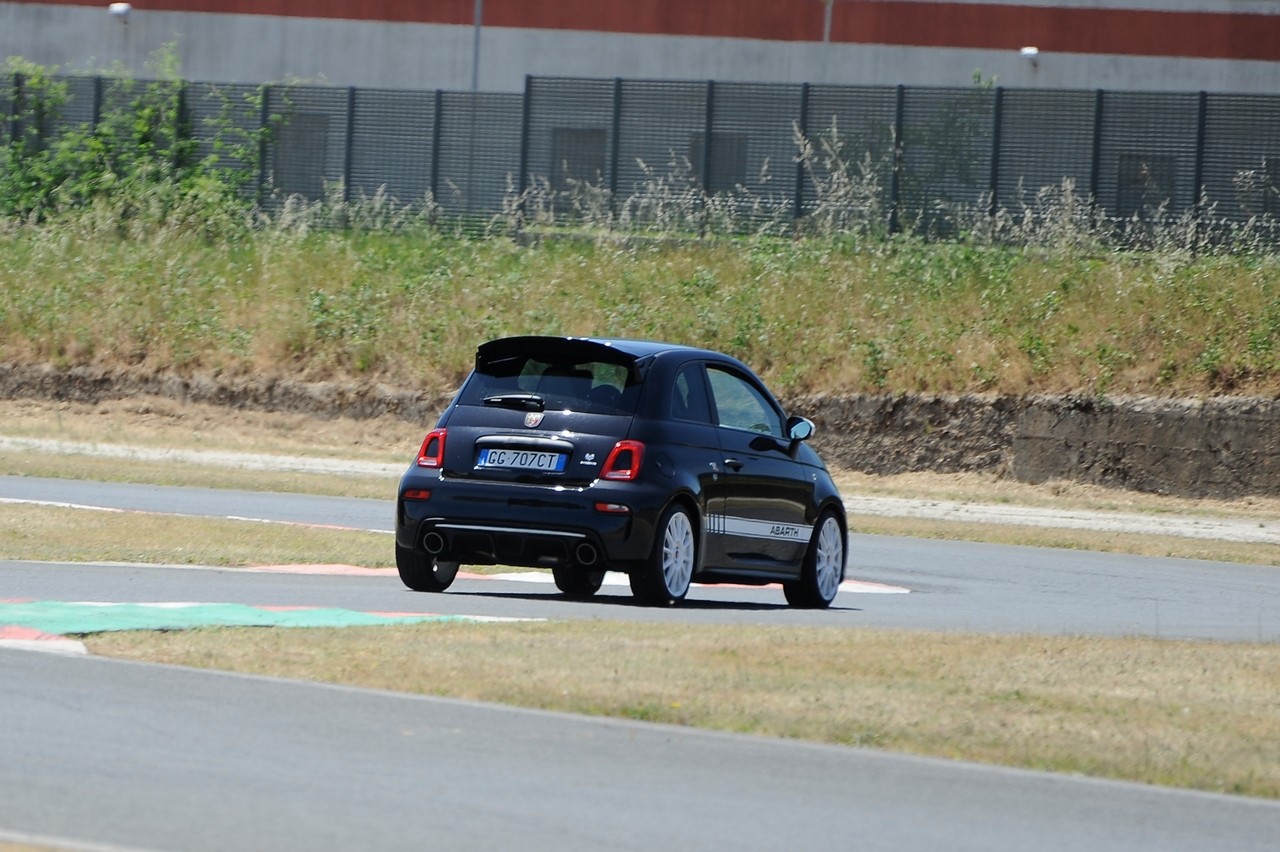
x=751, y=528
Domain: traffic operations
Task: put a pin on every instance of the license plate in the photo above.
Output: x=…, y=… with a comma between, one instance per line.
x=521, y=459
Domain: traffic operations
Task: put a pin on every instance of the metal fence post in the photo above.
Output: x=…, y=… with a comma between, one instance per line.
x=1202, y=119
x=181, y=126
x=436, y=121
x=97, y=102
x=708, y=123
x=15, y=110
x=1095, y=168
x=996, y=121
x=348, y=143
x=797, y=209
x=526, y=121
x=264, y=128
x=615, y=147
x=895, y=187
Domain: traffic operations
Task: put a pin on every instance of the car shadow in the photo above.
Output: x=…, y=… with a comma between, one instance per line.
x=630, y=602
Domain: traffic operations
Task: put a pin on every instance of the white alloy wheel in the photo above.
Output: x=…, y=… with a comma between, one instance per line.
x=823, y=567
x=663, y=579
x=828, y=563
x=677, y=554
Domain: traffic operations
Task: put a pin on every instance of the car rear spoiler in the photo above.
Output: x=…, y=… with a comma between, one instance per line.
x=575, y=349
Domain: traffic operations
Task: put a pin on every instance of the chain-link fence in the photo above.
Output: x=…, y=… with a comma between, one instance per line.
x=638, y=151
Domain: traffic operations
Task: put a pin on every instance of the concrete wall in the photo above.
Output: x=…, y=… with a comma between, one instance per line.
x=253, y=48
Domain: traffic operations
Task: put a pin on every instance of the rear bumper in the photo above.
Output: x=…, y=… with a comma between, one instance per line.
x=485, y=523
x=490, y=544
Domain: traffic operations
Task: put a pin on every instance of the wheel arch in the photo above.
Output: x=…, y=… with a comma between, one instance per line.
x=690, y=502
x=835, y=505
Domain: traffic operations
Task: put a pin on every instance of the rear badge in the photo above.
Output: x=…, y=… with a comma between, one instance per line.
x=532, y=418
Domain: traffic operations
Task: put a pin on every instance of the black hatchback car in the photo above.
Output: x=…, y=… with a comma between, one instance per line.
x=580, y=455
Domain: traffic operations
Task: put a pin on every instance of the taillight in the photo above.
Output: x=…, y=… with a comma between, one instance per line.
x=623, y=464
x=432, y=452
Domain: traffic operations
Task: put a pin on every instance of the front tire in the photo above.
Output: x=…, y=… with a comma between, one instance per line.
x=423, y=573
x=665, y=576
x=823, y=568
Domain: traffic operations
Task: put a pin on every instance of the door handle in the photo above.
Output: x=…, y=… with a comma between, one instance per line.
x=735, y=464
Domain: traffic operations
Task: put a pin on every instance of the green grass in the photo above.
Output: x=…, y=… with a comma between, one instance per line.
x=831, y=314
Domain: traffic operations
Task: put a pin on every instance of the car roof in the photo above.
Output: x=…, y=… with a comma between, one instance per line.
x=635, y=350
x=645, y=348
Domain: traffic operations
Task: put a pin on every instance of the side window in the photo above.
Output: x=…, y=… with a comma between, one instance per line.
x=741, y=406
x=689, y=396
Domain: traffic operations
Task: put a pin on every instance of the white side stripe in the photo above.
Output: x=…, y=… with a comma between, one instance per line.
x=751, y=528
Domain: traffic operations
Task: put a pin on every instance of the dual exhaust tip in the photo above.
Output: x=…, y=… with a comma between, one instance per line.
x=585, y=554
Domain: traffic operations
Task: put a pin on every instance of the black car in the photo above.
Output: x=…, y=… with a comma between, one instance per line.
x=670, y=463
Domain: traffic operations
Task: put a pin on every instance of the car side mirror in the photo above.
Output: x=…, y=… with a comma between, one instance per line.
x=799, y=428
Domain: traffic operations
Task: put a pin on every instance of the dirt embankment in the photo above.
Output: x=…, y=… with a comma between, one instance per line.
x=1222, y=447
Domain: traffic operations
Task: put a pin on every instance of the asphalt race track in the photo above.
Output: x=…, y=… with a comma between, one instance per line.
x=155, y=757
x=953, y=585
x=107, y=754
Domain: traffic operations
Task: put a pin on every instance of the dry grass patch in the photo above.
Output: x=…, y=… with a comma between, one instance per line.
x=77, y=535
x=1136, y=544
x=197, y=476
x=1188, y=714
x=993, y=489
x=160, y=423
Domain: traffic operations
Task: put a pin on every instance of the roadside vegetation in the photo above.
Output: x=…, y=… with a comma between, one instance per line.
x=837, y=314
x=126, y=246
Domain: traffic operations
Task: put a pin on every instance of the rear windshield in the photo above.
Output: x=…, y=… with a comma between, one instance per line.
x=596, y=387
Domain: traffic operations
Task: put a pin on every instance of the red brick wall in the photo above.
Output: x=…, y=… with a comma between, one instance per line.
x=1212, y=35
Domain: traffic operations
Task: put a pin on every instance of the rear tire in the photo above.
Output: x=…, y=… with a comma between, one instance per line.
x=823, y=567
x=577, y=582
x=663, y=579
x=423, y=573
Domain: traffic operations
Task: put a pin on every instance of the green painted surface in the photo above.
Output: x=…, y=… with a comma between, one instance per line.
x=78, y=618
